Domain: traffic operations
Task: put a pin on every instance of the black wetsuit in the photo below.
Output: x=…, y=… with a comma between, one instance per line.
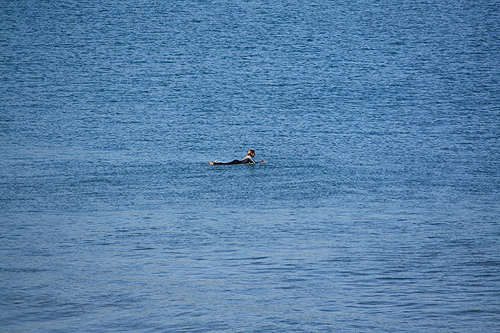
x=247, y=160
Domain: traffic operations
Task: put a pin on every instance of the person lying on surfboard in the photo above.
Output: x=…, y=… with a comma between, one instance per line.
x=247, y=160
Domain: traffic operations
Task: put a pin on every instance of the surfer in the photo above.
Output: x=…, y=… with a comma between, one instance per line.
x=247, y=160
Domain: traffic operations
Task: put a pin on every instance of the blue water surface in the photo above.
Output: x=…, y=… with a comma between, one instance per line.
x=379, y=208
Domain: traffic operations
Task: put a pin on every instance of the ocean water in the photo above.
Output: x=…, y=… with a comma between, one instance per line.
x=379, y=208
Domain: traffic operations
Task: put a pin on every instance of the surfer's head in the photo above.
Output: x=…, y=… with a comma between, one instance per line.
x=251, y=153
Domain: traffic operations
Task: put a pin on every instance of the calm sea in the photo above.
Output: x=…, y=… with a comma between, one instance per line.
x=379, y=209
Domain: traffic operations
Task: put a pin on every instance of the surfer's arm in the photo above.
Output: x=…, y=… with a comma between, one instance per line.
x=247, y=160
